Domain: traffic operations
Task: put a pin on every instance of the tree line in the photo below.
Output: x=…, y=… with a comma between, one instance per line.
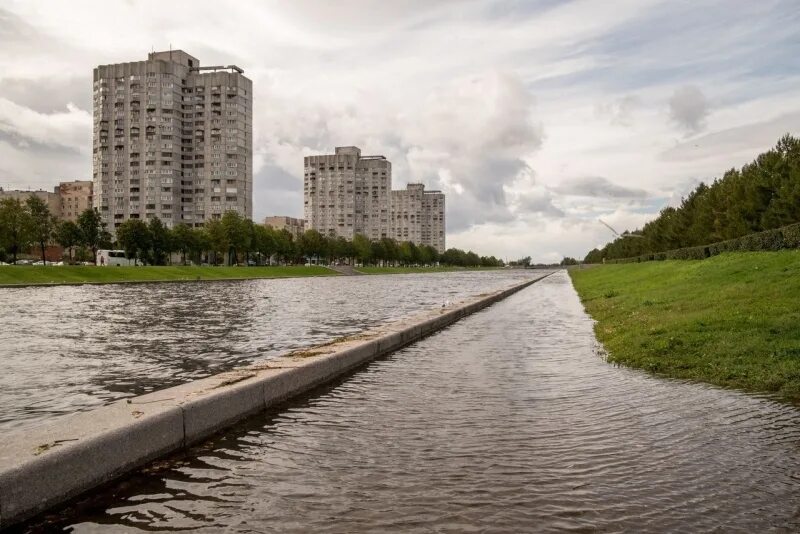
x=762, y=195
x=228, y=240
x=29, y=223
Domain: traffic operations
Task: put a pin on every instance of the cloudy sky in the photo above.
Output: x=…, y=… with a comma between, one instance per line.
x=537, y=118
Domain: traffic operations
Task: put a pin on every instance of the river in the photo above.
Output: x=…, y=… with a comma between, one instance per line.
x=508, y=421
x=67, y=349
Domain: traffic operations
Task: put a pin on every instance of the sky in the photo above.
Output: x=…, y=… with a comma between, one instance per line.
x=537, y=118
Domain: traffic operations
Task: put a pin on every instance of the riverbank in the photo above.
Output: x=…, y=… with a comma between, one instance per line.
x=25, y=275
x=730, y=320
x=407, y=270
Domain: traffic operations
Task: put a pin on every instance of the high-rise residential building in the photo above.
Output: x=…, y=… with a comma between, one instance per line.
x=418, y=216
x=295, y=226
x=345, y=194
x=74, y=198
x=172, y=139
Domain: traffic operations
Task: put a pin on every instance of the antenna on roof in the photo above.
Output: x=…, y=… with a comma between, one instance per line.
x=170, y=51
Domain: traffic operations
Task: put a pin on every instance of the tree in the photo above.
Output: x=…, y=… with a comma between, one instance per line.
x=134, y=237
x=15, y=225
x=236, y=233
x=68, y=235
x=183, y=238
x=362, y=248
x=92, y=230
x=312, y=244
x=264, y=241
x=216, y=238
x=42, y=223
x=160, y=242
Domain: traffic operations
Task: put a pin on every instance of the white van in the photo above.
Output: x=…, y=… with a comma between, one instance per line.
x=112, y=257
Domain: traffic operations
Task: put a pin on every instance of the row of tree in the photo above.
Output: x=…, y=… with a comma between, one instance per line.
x=229, y=239
x=29, y=223
x=762, y=195
x=233, y=238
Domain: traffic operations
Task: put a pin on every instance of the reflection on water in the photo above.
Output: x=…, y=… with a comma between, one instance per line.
x=71, y=348
x=508, y=421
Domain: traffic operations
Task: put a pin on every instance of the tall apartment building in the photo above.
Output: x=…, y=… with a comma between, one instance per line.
x=74, y=198
x=346, y=193
x=418, y=216
x=172, y=140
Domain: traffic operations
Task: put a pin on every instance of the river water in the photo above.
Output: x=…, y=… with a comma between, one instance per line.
x=66, y=349
x=508, y=421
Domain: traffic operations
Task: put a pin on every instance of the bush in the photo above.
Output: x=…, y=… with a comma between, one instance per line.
x=787, y=237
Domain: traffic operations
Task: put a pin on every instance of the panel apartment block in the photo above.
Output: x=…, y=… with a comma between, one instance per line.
x=346, y=193
x=418, y=216
x=172, y=140
x=75, y=197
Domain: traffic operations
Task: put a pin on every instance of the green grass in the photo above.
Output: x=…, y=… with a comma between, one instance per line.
x=732, y=320
x=72, y=274
x=404, y=270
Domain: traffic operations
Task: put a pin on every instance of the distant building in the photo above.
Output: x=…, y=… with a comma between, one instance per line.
x=51, y=198
x=418, y=216
x=74, y=198
x=345, y=194
x=172, y=140
x=280, y=222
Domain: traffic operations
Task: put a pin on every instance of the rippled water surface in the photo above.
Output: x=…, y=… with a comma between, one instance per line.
x=508, y=421
x=71, y=348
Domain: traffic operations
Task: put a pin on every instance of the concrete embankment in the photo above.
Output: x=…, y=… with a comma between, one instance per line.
x=47, y=465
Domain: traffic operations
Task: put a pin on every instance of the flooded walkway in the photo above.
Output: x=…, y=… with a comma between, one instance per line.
x=508, y=421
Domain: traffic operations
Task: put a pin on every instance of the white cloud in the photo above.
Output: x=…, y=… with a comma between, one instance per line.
x=535, y=117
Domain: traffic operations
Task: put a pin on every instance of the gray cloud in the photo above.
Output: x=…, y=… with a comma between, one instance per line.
x=598, y=187
x=50, y=94
x=688, y=108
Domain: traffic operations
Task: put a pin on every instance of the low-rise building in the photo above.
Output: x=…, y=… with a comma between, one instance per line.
x=50, y=198
x=74, y=197
x=280, y=222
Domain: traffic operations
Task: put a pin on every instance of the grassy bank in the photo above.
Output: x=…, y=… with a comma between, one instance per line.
x=404, y=270
x=731, y=320
x=72, y=274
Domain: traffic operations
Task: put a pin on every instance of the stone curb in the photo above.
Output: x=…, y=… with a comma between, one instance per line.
x=47, y=465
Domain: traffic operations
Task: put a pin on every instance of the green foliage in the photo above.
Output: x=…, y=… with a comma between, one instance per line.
x=762, y=195
x=15, y=227
x=93, y=234
x=68, y=235
x=134, y=237
x=729, y=320
x=42, y=223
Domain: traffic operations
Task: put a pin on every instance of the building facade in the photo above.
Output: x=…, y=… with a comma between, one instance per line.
x=50, y=198
x=418, y=216
x=74, y=198
x=345, y=194
x=172, y=140
x=295, y=226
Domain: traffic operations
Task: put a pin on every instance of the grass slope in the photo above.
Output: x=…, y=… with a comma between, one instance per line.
x=731, y=320
x=71, y=274
x=403, y=270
